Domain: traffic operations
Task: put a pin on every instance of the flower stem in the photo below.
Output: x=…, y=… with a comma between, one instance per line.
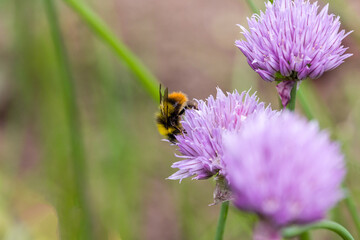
x=291, y=232
x=75, y=135
x=291, y=104
x=148, y=81
x=222, y=219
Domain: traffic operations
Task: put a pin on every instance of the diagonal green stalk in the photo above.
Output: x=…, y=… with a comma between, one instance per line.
x=304, y=105
x=222, y=219
x=312, y=106
x=76, y=139
x=98, y=26
x=294, y=231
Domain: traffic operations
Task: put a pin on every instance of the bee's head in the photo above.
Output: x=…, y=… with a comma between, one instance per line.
x=178, y=97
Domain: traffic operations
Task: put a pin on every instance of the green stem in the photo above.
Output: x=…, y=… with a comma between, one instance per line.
x=291, y=232
x=305, y=236
x=76, y=140
x=222, y=219
x=98, y=26
x=291, y=104
x=352, y=209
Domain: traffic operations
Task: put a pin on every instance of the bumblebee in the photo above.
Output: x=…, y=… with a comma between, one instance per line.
x=172, y=107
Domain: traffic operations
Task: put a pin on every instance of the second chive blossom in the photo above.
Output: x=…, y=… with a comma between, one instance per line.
x=201, y=147
x=292, y=41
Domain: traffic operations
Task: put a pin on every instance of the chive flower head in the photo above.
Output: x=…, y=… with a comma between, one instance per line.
x=284, y=169
x=292, y=41
x=201, y=147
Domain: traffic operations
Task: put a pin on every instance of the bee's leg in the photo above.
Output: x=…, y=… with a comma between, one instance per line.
x=178, y=130
x=191, y=104
x=182, y=111
x=172, y=138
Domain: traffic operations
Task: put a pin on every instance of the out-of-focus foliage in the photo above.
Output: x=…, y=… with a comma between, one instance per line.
x=189, y=45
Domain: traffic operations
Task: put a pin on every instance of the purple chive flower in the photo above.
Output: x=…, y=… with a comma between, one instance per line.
x=201, y=147
x=292, y=41
x=284, y=169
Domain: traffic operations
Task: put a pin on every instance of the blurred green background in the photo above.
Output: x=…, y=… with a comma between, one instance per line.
x=119, y=191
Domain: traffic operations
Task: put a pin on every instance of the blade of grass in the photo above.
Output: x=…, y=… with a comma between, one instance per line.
x=147, y=80
x=118, y=168
x=316, y=110
x=304, y=105
x=76, y=139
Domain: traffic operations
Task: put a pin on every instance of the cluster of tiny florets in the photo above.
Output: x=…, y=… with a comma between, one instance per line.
x=284, y=168
x=293, y=40
x=201, y=147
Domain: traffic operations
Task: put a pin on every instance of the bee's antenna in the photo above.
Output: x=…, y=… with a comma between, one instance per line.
x=160, y=94
x=166, y=93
